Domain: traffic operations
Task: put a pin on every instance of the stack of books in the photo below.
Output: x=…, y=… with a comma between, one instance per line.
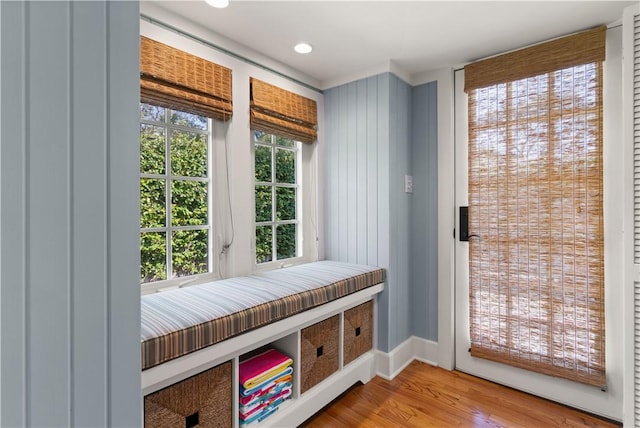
x=265, y=382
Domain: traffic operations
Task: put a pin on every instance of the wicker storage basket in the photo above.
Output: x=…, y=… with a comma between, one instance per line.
x=318, y=352
x=203, y=400
x=358, y=331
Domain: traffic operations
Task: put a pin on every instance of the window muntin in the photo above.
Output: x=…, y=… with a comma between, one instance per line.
x=175, y=194
x=277, y=196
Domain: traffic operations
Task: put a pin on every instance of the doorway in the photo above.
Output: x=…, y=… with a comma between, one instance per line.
x=604, y=401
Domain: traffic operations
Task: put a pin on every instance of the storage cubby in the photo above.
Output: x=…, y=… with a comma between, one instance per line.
x=203, y=400
x=258, y=407
x=357, y=331
x=319, y=352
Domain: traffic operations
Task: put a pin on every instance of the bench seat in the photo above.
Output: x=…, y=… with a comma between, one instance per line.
x=180, y=321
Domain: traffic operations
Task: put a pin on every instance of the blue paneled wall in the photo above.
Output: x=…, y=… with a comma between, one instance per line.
x=424, y=211
x=377, y=130
x=69, y=253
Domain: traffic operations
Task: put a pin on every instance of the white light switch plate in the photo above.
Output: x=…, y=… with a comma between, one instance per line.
x=408, y=184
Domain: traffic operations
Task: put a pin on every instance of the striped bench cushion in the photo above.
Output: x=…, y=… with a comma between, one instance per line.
x=177, y=322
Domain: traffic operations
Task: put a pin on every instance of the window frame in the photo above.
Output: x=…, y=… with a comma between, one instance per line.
x=169, y=228
x=298, y=186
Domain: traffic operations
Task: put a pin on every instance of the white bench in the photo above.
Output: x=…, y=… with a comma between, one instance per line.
x=297, y=297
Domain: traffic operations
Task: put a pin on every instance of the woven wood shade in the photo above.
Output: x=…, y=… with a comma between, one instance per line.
x=278, y=111
x=535, y=203
x=581, y=48
x=175, y=79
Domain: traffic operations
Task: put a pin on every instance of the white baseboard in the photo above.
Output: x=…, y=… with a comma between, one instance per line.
x=425, y=350
x=388, y=365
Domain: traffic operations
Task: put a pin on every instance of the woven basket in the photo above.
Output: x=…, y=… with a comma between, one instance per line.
x=357, y=331
x=203, y=400
x=318, y=352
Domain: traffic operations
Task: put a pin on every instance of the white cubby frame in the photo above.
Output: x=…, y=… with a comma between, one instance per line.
x=284, y=335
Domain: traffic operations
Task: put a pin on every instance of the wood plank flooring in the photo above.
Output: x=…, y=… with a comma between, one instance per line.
x=427, y=396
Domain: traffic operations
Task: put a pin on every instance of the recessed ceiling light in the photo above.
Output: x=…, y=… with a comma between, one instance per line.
x=220, y=4
x=303, y=48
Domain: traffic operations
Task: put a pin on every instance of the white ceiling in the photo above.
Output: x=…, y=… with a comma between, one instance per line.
x=350, y=37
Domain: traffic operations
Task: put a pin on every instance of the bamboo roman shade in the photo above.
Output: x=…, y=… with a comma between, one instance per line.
x=580, y=48
x=536, y=262
x=278, y=111
x=175, y=79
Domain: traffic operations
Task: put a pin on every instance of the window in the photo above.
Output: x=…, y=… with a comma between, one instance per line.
x=276, y=197
x=175, y=194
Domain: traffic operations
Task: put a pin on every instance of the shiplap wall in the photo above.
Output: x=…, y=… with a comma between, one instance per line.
x=399, y=272
x=69, y=301
x=368, y=217
x=424, y=210
x=356, y=171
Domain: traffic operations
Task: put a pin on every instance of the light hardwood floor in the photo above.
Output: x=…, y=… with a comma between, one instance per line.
x=427, y=396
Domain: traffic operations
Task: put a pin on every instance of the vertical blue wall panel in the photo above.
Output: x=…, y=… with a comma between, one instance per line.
x=69, y=295
x=424, y=211
x=352, y=219
x=371, y=157
x=385, y=318
x=400, y=120
x=123, y=225
x=13, y=229
x=362, y=193
x=328, y=174
x=343, y=174
x=48, y=199
x=89, y=209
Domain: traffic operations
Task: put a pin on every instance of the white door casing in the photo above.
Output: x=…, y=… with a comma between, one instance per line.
x=631, y=140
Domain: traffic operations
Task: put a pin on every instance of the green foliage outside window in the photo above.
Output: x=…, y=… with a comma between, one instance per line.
x=189, y=199
x=275, y=197
x=286, y=238
x=285, y=166
x=264, y=244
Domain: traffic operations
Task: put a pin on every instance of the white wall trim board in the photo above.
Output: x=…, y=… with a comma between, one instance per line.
x=629, y=406
x=446, y=217
x=389, y=365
